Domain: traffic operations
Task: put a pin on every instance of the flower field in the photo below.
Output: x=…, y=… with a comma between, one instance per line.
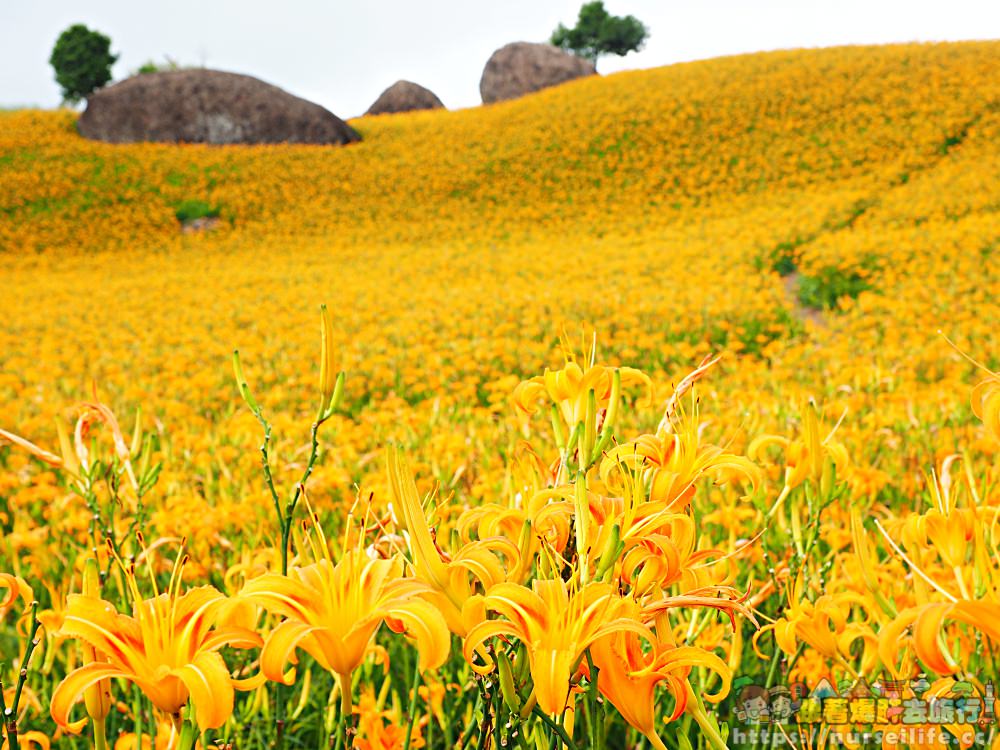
x=603, y=418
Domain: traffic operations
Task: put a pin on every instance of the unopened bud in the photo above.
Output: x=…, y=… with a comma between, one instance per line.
x=609, y=556
x=97, y=697
x=241, y=383
x=507, y=687
x=331, y=385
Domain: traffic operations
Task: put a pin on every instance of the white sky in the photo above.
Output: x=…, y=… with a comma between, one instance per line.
x=343, y=53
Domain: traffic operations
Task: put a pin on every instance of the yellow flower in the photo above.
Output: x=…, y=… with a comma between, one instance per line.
x=383, y=730
x=16, y=587
x=951, y=534
x=824, y=625
x=456, y=586
x=928, y=623
x=569, y=389
x=167, y=647
x=986, y=404
x=628, y=675
x=806, y=457
x=556, y=624
x=333, y=611
x=674, y=461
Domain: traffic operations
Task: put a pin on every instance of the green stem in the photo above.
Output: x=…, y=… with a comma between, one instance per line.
x=100, y=735
x=9, y=717
x=279, y=716
x=188, y=736
x=346, y=710
x=593, y=696
x=467, y=734
x=413, y=704
x=697, y=710
x=555, y=727
x=28, y=651
x=137, y=710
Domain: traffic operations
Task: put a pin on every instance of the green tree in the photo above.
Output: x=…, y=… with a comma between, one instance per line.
x=597, y=32
x=82, y=62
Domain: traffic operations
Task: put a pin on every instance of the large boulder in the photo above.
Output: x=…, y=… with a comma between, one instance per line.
x=207, y=106
x=522, y=67
x=404, y=96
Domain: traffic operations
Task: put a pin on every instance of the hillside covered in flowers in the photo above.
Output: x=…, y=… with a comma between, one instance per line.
x=536, y=510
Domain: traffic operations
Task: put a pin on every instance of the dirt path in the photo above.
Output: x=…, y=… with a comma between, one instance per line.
x=791, y=284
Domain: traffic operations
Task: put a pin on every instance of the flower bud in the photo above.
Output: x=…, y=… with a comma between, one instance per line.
x=609, y=556
x=331, y=386
x=241, y=384
x=507, y=687
x=97, y=697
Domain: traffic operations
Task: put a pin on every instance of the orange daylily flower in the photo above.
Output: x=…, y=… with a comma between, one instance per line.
x=40, y=453
x=588, y=402
x=569, y=389
x=557, y=622
x=929, y=620
x=629, y=674
x=658, y=543
x=951, y=534
x=166, y=738
x=33, y=739
x=168, y=647
x=333, y=611
x=456, y=586
x=806, y=457
x=383, y=730
x=16, y=587
x=824, y=625
x=673, y=461
x=76, y=456
x=986, y=404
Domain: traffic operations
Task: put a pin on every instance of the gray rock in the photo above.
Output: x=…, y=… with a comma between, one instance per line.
x=404, y=96
x=522, y=67
x=207, y=106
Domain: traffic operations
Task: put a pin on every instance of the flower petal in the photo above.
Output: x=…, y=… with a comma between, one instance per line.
x=210, y=687
x=69, y=692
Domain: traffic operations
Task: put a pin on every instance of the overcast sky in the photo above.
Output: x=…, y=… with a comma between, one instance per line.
x=343, y=53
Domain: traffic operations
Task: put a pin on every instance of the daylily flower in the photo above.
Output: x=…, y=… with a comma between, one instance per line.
x=824, y=625
x=455, y=586
x=557, y=622
x=584, y=405
x=75, y=456
x=40, y=453
x=16, y=587
x=166, y=738
x=806, y=457
x=673, y=461
x=379, y=729
x=333, y=611
x=167, y=647
x=628, y=675
x=928, y=621
x=657, y=544
x=569, y=389
x=33, y=739
x=986, y=404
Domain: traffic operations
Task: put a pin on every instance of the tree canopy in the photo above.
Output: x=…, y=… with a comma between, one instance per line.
x=597, y=32
x=82, y=62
